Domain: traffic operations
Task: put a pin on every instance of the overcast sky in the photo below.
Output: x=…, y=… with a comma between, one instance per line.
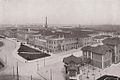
x=60, y=11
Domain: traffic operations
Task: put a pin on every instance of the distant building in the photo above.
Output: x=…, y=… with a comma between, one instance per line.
x=72, y=66
x=11, y=33
x=65, y=42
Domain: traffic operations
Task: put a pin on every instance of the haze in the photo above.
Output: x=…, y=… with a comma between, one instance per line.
x=60, y=11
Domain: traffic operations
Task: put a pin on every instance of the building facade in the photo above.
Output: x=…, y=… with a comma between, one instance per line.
x=101, y=55
x=61, y=44
x=114, y=44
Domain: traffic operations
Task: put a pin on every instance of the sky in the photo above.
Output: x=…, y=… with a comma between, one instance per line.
x=60, y=11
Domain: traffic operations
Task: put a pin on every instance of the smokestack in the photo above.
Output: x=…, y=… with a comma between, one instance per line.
x=46, y=23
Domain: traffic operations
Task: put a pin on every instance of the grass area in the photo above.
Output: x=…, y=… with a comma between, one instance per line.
x=33, y=56
x=24, y=48
x=1, y=44
x=30, y=53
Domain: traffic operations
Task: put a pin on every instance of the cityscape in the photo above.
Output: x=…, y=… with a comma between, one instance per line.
x=64, y=44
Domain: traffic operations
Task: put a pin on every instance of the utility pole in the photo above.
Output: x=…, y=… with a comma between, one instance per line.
x=13, y=72
x=50, y=74
x=17, y=72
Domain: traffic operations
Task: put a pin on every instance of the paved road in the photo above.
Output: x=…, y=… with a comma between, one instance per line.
x=6, y=54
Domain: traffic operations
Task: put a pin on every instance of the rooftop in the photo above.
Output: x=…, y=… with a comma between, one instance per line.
x=112, y=41
x=72, y=58
x=100, y=49
x=101, y=36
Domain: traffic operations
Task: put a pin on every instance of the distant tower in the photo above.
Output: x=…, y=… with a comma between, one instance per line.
x=46, y=23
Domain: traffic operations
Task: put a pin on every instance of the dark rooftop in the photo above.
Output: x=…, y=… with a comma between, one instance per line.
x=112, y=41
x=72, y=58
x=100, y=49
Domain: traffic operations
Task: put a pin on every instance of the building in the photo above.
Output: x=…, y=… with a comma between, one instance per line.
x=10, y=33
x=101, y=56
x=23, y=34
x=72, y=67
x=37, y=42
x=114, y=44
x=87, y=40
x=64, y=42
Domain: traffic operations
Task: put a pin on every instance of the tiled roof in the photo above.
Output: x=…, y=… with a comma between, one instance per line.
x=112, y=41
x=72, y=58
x=100, y=49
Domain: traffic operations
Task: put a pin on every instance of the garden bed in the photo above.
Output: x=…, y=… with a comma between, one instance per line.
x=29, y=56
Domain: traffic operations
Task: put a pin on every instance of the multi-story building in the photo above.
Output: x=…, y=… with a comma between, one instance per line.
x=58, y=43
x=104, y=55
x=114, y=44
x=101, y=56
